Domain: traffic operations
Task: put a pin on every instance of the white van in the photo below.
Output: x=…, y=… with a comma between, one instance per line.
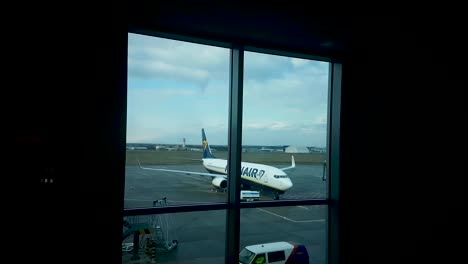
x=276, y=252
x=249, y=196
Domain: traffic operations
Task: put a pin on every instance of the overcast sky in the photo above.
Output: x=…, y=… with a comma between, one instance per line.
x=175, y=88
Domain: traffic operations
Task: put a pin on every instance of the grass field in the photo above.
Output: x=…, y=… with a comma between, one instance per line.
x=162, y=157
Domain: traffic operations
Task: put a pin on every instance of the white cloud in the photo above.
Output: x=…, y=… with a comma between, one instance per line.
x=143, y=95
x=177, y=92
x=268, y=125
x=299, y=62
x=290, y=91
x=285, y=98
x=322, y=120
x=152, y=58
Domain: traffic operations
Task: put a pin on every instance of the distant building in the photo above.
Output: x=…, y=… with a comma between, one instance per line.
x=263, y=149
x=195, y=149
x=316, y=149
x=168, y=148
x=135, y=148
x=296, y=149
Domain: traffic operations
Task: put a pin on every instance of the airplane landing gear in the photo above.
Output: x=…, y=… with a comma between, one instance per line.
x=276, y=197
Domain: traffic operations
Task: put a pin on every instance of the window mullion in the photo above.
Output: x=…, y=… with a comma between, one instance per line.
x=333, y=165
x=234, y=159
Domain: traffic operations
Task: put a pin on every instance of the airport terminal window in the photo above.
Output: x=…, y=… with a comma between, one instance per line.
x=300, y=225
x=175, y=89
x=284, y=126
x=178, y=204
x=175, y=237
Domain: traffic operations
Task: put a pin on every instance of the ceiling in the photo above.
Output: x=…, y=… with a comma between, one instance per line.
x=294, y=29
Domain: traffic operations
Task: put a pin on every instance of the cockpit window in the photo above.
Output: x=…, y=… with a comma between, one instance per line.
x=280, y=176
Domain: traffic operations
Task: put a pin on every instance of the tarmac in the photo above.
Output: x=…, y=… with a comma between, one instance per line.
x=201, y=235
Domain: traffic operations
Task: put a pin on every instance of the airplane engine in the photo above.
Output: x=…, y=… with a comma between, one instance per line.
x=219, y=182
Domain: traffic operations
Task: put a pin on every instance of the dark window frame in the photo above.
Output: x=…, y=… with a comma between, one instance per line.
x=233, y=204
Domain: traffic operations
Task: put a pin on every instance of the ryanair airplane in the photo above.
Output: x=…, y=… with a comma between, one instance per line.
x=268, y=180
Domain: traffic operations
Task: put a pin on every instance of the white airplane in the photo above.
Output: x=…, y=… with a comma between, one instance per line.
x=266, y=179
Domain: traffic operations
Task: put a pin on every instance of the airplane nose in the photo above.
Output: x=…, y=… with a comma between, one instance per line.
x=287, y=184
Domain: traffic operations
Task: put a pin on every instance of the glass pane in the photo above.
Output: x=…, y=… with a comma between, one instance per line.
x=284, y=130
x=194, y=237
x=175, y=89
x=283, y=228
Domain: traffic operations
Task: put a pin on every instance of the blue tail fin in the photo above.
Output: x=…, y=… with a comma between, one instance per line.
x=206, y=147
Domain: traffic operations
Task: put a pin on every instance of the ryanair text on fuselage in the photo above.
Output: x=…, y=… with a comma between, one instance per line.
x=250, y=172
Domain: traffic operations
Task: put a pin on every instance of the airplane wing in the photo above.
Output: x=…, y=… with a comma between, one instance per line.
x=185, y=172
x=293, y=165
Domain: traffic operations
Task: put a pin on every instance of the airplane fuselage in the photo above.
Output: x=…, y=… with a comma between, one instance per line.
x=256, y=177
x=253, y=176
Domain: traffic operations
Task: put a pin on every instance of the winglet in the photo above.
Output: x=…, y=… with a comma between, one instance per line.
x=293, y=164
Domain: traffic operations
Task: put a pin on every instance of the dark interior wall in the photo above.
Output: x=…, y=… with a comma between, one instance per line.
x=363, y=179
x=67, y=79
x=68, y=121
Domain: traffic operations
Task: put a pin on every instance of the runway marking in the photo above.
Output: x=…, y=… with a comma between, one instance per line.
x=295, y=221
x=303, y=207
